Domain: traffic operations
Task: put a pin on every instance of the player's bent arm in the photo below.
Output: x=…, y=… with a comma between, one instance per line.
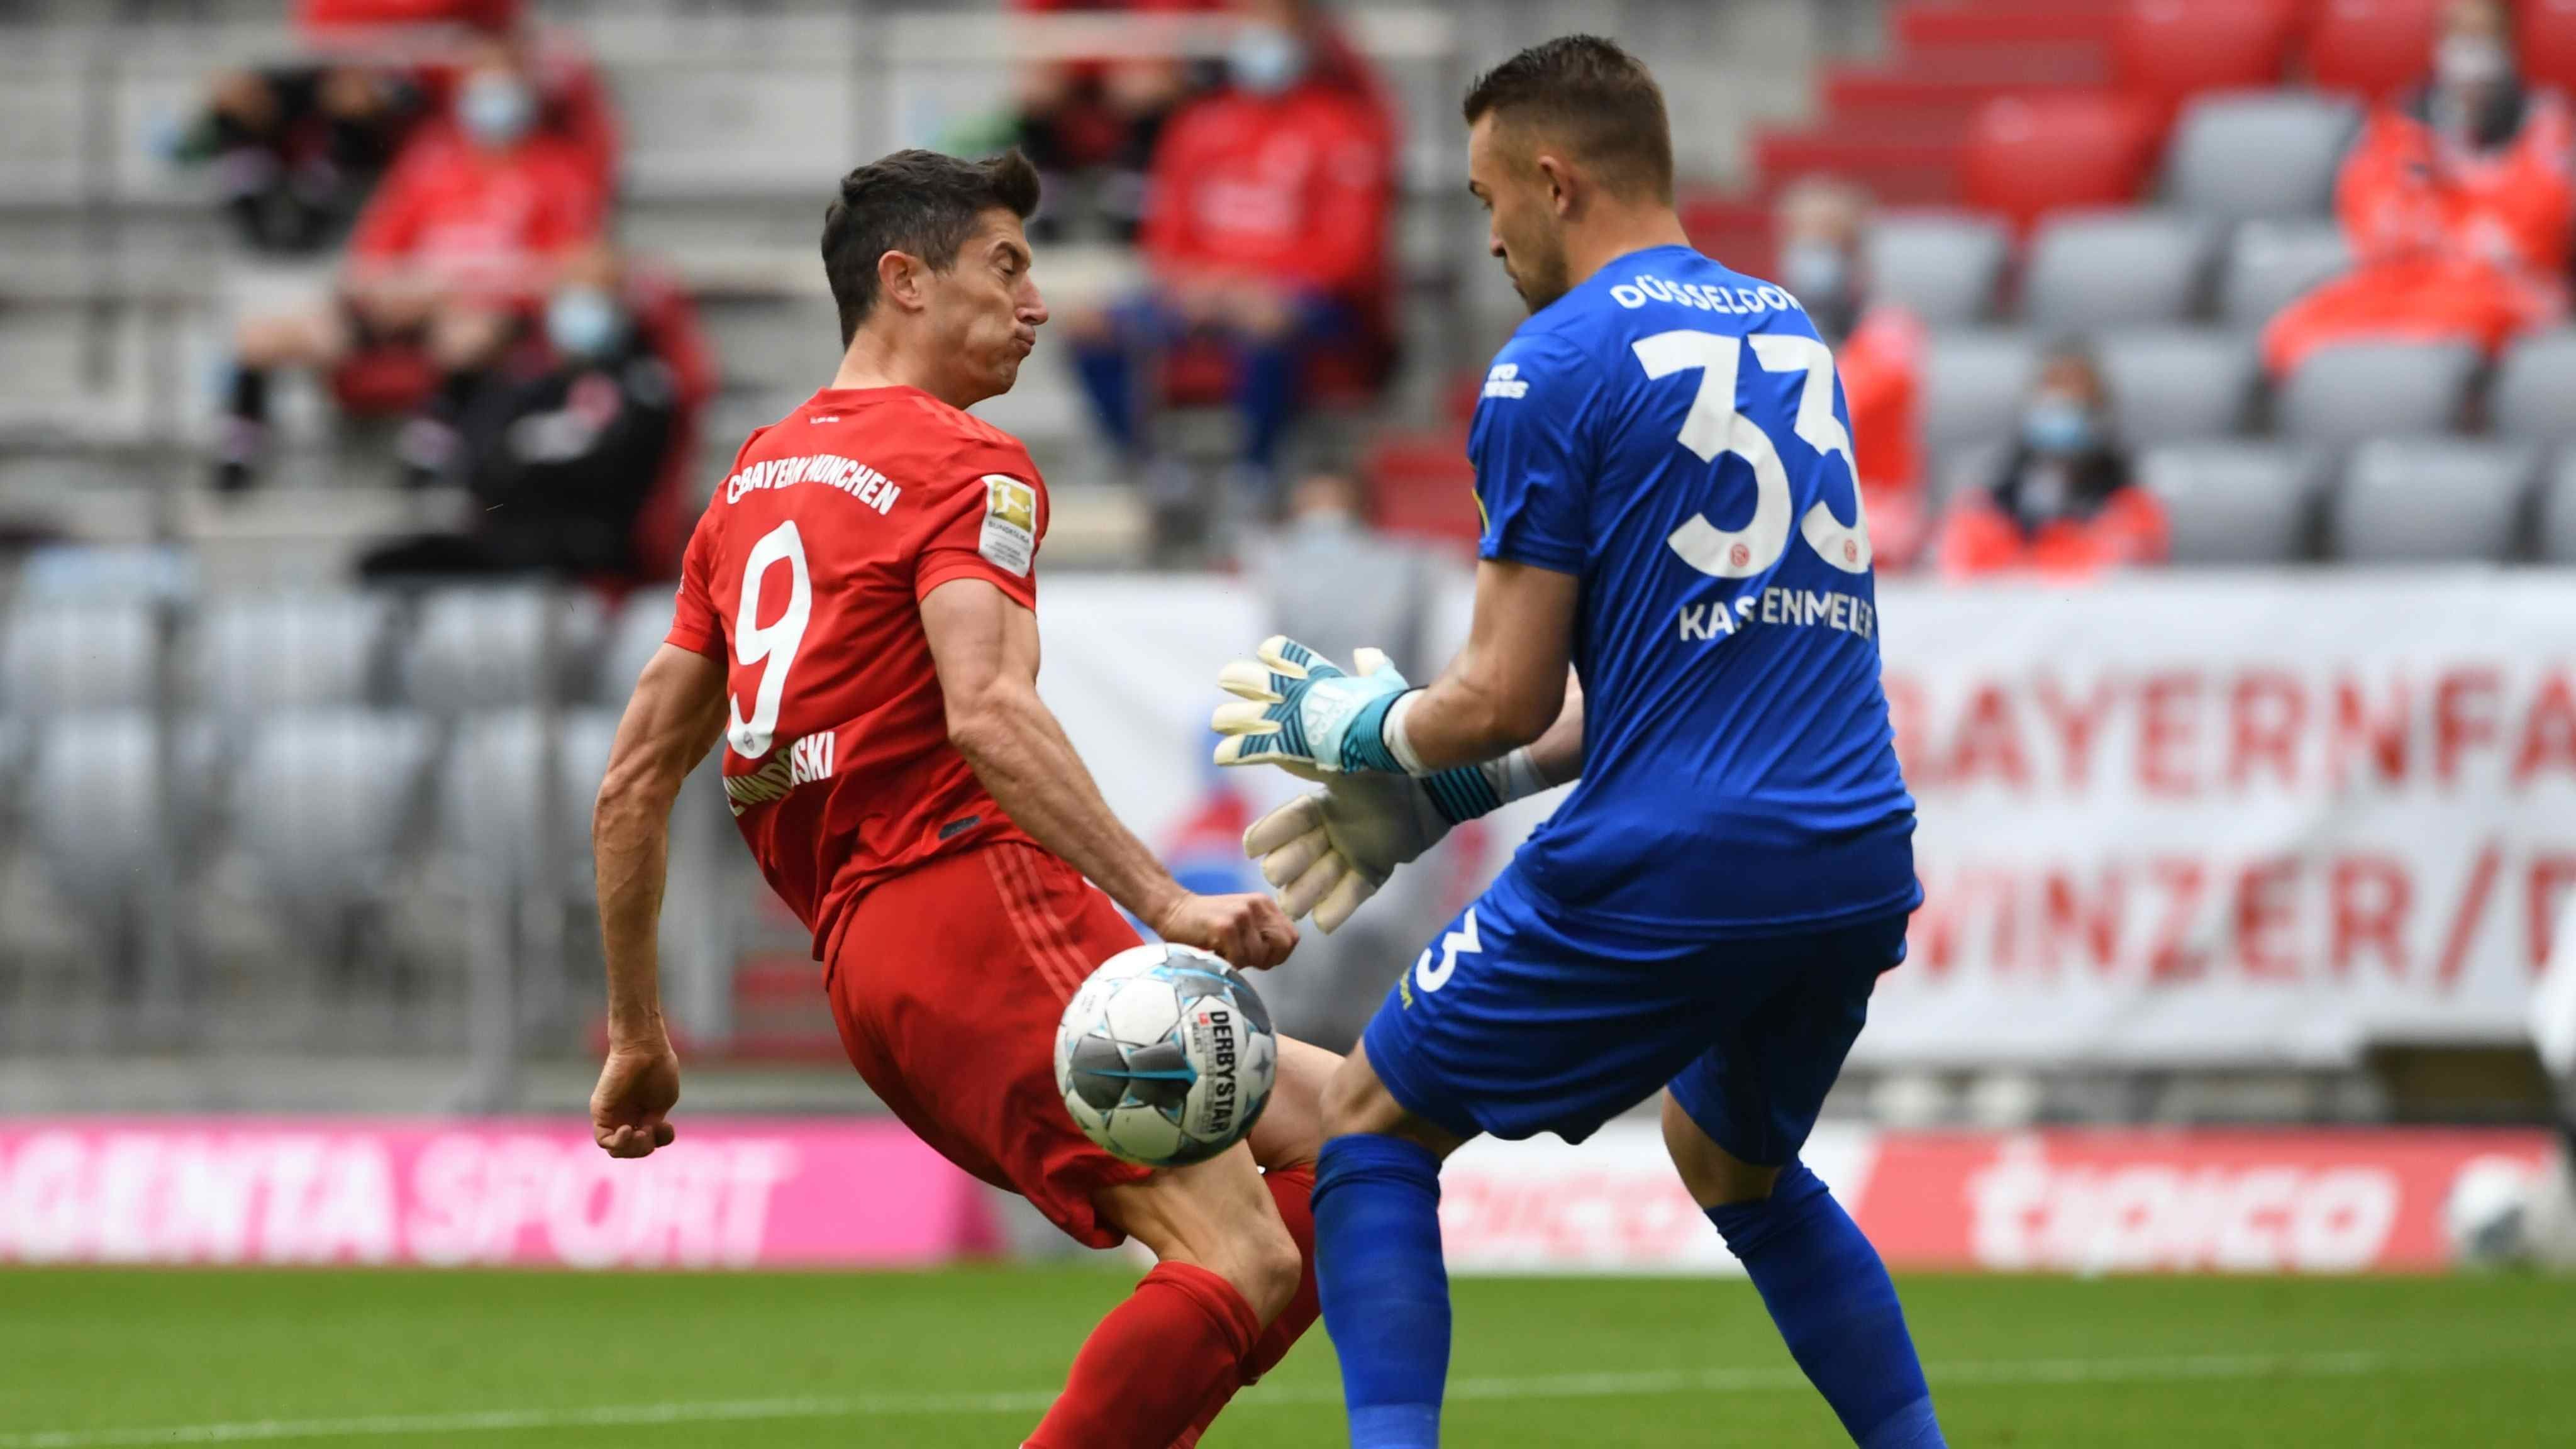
x=984, y=645
x=1507, y=687
x=675, y=717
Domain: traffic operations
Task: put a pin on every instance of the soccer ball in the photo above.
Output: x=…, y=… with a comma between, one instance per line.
x=2486, y=1215
x=1165, y=1056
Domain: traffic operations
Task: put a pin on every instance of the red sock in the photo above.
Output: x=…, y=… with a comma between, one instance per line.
x=1290, y=1187
x=1147, y=1369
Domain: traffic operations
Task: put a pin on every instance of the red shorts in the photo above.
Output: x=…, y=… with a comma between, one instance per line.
x=947, y=982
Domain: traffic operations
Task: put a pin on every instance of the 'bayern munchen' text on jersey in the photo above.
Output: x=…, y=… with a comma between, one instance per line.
x=1672, y=434
x=805, y=576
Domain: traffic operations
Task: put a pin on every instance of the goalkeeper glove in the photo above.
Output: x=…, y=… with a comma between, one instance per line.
x=1296, y=709
x=1329, y=850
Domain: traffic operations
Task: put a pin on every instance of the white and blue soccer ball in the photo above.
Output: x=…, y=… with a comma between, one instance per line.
x=1165, y=1056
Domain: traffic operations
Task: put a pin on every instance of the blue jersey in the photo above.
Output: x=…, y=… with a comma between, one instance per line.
x=1672, y=433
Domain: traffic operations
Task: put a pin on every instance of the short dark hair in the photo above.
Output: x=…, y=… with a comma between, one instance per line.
x=1596, y=99
x=919, y=202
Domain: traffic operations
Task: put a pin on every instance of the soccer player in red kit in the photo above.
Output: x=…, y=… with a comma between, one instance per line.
x=854, y=624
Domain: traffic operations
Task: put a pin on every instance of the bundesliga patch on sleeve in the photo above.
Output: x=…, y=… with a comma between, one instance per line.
x=1010, y=538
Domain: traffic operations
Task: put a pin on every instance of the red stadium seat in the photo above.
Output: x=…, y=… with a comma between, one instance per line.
x=1421, y=485
x=2372, y=48
x=2548, y=43
x=2171, y=50
x=2031, y=155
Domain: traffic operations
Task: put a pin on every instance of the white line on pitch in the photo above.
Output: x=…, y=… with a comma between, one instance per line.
x=1541, y=1386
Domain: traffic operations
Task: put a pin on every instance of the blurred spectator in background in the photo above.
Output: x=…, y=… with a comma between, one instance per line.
x=478, y=203
x=1335, y=583
x=561, y=437
x=2065, y=503
x=1878, y=352
x=1267, y=238
x=2458, y=205
x=1091, y=125
x=296, y=149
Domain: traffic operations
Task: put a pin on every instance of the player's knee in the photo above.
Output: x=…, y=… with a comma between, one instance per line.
x=1714, y=1176
x=1263, y=1264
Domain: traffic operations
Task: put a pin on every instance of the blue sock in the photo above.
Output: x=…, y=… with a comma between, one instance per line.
x=1385, y=1289
x=1831, y=1297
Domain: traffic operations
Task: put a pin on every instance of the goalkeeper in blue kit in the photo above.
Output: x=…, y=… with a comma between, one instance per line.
x=1663, y=460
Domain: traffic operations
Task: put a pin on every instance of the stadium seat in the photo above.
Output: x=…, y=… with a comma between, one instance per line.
x=2409, y=500
x=2170, y=50
x=642, y=619
x=2097, y=269
x=2031, y=155
x=1971, y=468
x=487, y=648
x=262, y=656
x=2557, y=543
x=98, y=852
x=2234, y=503
x=492, y=781
x=2243, y=154
x=59, y=657
x=2345, y=393
x=2535, y=389
x=2178, y=384
x=323, y=803
x=2270, y=263
x=2372, y=48
x=1942, y=266
x=1973, y=386
x=2548, y=43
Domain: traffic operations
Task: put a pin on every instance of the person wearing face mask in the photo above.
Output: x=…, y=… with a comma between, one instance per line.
x=557, y=437
x=2064, y=503
x=1267, y=238
x=1823, y=231
x=476, y=206
x=2459, y=203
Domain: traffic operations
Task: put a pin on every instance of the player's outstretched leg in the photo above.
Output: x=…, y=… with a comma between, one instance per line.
x=1822, y=1281
x=1377, y=1256
x=1226, y=1267
x=1284, y=1142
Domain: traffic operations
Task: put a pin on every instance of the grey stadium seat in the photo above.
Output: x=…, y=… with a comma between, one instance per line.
x=2558, y=512
x=59, y=657
x=491, y=784
x=2535, y=389
x=264, y=656
x=633, y=636
x=1942, y=266
x=2271, y=263
x=2241, y=154
x=485, y=648
x=2351, y=391
x=323, y=802
x=2174, y=385
x=2120, y=268
x=2431, y=499
x=94, y=799
x=1973, y=387
x=2234, y=503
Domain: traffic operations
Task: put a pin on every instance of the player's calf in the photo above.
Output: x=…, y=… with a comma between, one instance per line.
x=1821, y=1280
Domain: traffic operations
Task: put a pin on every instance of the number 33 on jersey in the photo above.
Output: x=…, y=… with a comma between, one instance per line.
x=805, y=577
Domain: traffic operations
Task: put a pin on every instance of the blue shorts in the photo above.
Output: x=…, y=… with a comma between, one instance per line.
x=1514, y=1023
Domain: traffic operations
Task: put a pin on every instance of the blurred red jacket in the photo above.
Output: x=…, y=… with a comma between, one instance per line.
x=1291, y=189
x=2447, y=242
x=2127, y=529
x=479, y=220
x=1881, y=366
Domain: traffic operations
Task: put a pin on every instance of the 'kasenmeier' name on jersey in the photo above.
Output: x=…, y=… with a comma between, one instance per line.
x=1739, y=301
x=849, y=475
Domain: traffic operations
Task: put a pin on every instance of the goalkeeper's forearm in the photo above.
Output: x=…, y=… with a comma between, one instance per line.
x=1463, y=792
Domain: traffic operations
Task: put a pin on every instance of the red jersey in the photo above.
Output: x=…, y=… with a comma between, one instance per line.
x=478, y=218
x=1292, y=188
x=805, y=575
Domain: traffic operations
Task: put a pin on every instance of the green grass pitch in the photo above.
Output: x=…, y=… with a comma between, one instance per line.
x=967, y=1357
